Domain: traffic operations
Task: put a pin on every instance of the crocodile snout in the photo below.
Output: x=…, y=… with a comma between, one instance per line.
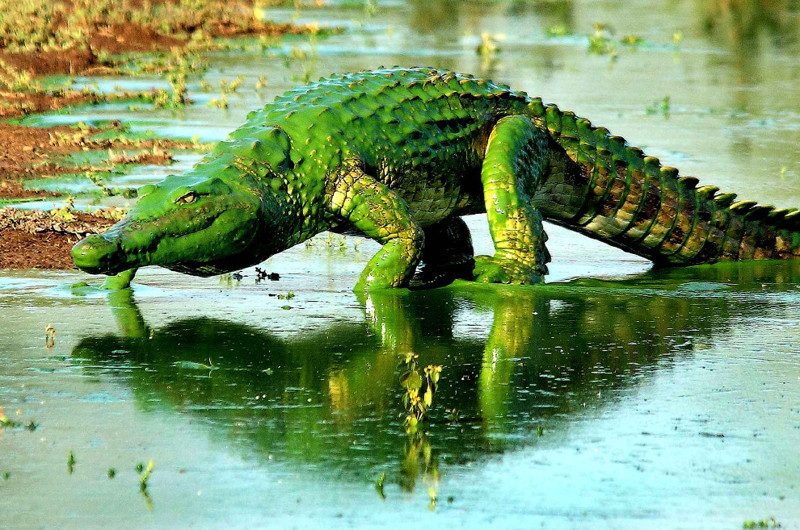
x=95, y=254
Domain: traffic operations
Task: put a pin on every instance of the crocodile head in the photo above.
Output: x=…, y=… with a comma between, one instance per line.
x=215, y=219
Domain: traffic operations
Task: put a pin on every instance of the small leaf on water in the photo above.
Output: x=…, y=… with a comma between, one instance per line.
x=146, y=476
x=189, y=365
x=379, y=485
x=411, y=380
x=434, y=499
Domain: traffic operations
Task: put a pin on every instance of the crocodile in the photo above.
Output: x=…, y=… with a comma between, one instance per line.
x=399, y=155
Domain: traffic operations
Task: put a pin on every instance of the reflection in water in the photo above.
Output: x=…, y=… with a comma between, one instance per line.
x=332, y=400
x=755, y=33
x=743, y=23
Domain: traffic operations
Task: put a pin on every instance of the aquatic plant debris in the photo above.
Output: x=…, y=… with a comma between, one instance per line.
x=379, y=485
x=762, y=523
x=434, y=499
x=143, y=480
x=49, y=336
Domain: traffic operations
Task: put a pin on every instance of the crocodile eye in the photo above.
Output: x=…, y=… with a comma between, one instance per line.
x=187, y=198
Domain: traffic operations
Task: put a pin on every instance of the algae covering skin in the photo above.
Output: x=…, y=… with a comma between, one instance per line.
x=398, y=155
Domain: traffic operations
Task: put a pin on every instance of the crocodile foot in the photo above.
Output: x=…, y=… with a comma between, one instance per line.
x=489, y=269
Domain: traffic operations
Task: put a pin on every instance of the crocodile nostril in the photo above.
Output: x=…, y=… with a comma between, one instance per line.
x=94, y=254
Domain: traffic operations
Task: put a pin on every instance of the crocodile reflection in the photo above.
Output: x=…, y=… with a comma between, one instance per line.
x=513, y=359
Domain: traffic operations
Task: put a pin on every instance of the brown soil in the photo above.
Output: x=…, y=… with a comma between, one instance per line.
x=10, y=189
x=34, y=239
x=14, y=104
x=28, y=151
x=124, y=38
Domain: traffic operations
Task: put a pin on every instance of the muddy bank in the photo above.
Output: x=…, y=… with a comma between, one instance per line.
x=43, y=240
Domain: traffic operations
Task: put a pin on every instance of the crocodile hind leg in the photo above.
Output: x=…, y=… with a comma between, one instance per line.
x=448, y=255
x=380, y=214
x=516, y=160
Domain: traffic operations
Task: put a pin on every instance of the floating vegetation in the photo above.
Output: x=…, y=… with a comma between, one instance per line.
x=261, y=275
x=6, y=475
x=433, y=499
x=143, y=480
x=558, y=31
x=229, y=87
x=370, y=8
x=112, y=473
x=190, y=365
x=420, y=388
x=287, y=296
x=379, y=485
x=662, y=107
x=601, y=41
x=6, y=423
x=419, y=391
x=763, y=523
x=220, y=102
x=71, y=462
x=488, y=45
x=631, y=39
x=49, y=336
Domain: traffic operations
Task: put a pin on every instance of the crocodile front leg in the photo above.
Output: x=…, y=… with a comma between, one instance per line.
x=378, y=212
x=516, y=160
x=448, y=255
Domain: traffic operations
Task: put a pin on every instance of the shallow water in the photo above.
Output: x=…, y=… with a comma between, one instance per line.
x=666, y=399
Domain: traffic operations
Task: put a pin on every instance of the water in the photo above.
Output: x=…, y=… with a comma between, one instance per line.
x=665, y=399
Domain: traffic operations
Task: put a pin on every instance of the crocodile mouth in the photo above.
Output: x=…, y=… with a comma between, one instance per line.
x=198, y=252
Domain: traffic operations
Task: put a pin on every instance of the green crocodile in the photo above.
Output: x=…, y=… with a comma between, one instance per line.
x=398, y=155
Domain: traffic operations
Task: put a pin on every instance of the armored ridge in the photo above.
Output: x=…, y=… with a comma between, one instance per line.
x=619, y=195
x=400, y=119
x=397, y=155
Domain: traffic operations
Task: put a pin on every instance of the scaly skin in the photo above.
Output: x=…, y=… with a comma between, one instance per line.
x=398, y=155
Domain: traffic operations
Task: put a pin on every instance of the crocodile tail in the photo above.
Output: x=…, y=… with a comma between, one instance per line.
x=612, y=191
